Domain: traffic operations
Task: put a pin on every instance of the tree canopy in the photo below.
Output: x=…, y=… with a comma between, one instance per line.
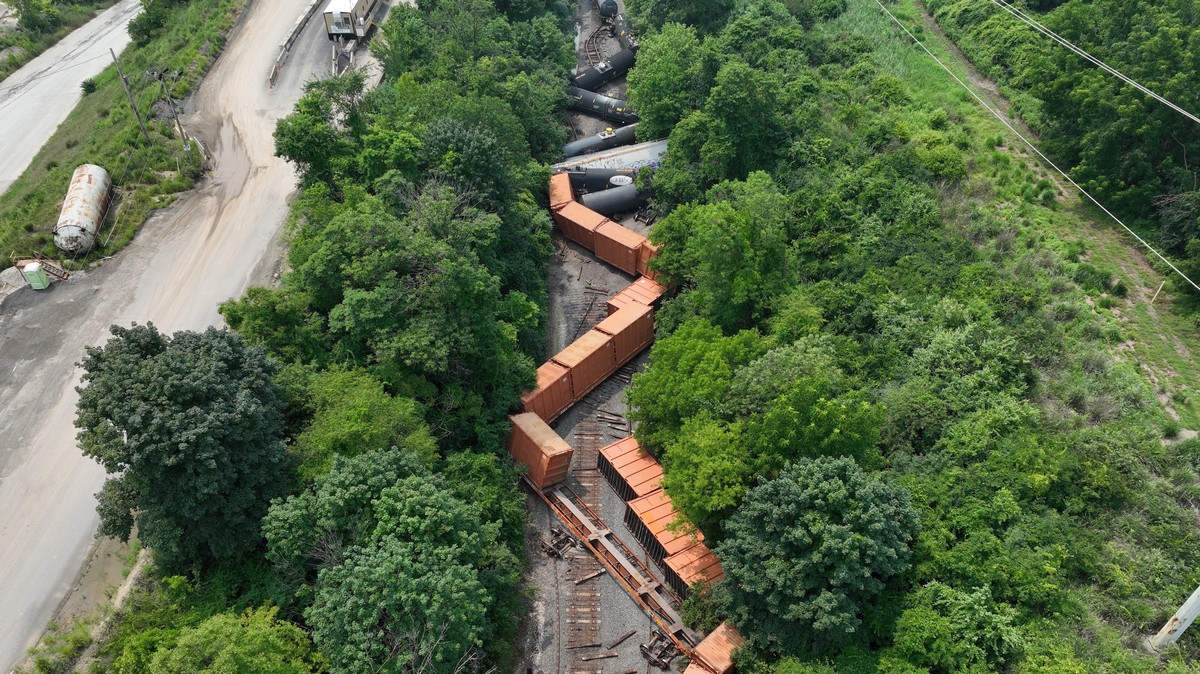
x=807, y=551
x=189, y=426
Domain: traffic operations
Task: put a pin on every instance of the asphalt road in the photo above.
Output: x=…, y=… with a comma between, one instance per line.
x=37, y=98
x=206, y=248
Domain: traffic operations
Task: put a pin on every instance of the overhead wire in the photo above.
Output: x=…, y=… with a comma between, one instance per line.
x=1033, y=23
x=998, y=115
x=19, y=87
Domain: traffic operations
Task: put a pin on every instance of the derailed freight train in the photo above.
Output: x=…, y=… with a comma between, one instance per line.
x=606, y=71
x=604, y=107
x=604, y=140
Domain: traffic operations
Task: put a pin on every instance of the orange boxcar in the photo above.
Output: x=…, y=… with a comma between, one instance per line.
x=553, y=393
x=591, y=359
x=536, y=445
x=560, y=191
x=642, y=291
x=618, y=245
x=647, y=252
x=692, y=565
x=632, y=329
x=649, y=517
x=629, y=469
x=579, y=223
x=715, y=651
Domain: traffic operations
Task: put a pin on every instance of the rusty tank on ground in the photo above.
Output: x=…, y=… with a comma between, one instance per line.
x=83, y=210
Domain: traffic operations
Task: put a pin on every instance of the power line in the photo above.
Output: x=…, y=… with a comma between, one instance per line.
x=20, y=86
x=999, y=116
x=1028, y=20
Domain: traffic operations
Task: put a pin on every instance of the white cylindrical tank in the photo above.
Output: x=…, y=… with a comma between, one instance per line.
x=84, y=209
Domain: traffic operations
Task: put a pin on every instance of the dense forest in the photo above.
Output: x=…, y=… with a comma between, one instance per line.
x=1131, y=151
x=882, y=389
x=325, y=486
x=890, y=396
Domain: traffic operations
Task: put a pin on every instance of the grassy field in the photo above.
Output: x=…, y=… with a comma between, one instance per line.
x=1161, y=338
x=31, y=44
x=102, y=130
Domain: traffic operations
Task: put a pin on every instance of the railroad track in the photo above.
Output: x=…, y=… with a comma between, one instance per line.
x=591, y=47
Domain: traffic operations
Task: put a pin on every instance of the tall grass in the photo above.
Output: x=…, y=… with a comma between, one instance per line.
x=102, y=130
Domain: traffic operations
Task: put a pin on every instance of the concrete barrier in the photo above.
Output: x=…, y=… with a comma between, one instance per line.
x=286, y=45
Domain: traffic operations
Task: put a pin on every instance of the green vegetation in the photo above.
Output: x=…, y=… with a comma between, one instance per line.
x=1128, y=149
x=190, y=427
x=402, y=334
x=102, y=130
x=845, y=533
x=40, y=25
x=867, y=272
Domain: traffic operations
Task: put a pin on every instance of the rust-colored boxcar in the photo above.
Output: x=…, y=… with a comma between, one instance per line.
x=642, y=291
x=715, y=651
x=647, y=252
x=535, y=445
x=553, y=394
x=692, y=565
x=629, y=469
x=618, y=246
x=649, y=517
x=560, y=191
x=632, y=329
x=579, y=223
x=591, y=359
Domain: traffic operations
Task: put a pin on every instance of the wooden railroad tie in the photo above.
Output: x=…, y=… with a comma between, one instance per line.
x=621, y=639
x=589, y=577
x=602, y=656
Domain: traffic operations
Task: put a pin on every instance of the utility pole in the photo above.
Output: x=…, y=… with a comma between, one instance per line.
x=1178, y=623
x=162, y=79
x=129, y=95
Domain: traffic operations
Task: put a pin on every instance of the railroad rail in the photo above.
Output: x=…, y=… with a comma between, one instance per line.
x=591, y=47
x=654, y=598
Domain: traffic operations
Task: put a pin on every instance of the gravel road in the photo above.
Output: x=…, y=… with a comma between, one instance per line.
x=206, y=248
x=37, y=98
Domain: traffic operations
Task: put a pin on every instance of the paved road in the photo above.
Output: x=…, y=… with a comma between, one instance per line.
x=206, y=248
x=38, y=97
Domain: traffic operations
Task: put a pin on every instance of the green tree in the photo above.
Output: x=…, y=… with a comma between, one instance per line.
x=689, y=371
x=670, y=80
x=731, y=253
x=707, y=468
x=806, y=552
x=948, y=630
x=706, y=15
x=353, y=415
x=189, y=425
x=255, y=642
x=37, y=16
x=398, y=572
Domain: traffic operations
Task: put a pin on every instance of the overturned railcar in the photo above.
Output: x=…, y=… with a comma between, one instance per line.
x=604, y=107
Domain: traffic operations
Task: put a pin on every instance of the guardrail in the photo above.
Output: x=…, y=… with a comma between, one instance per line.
x=286, y=45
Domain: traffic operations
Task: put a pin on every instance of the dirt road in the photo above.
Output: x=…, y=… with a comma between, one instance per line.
x=206, y=248
x=37, y=98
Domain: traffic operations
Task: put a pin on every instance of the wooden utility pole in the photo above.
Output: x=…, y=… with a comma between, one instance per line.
x=129, y=95
x=1178, y=623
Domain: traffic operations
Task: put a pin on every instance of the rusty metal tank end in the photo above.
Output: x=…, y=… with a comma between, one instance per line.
x=84, y=209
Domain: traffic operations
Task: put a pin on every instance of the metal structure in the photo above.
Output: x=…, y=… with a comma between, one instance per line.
x=599, y=105
x=349, y=19
x=615, y=200
x=606, y=139
x=84, y=209
x=1178, y=623
x=605, y=71
x=655, y=599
